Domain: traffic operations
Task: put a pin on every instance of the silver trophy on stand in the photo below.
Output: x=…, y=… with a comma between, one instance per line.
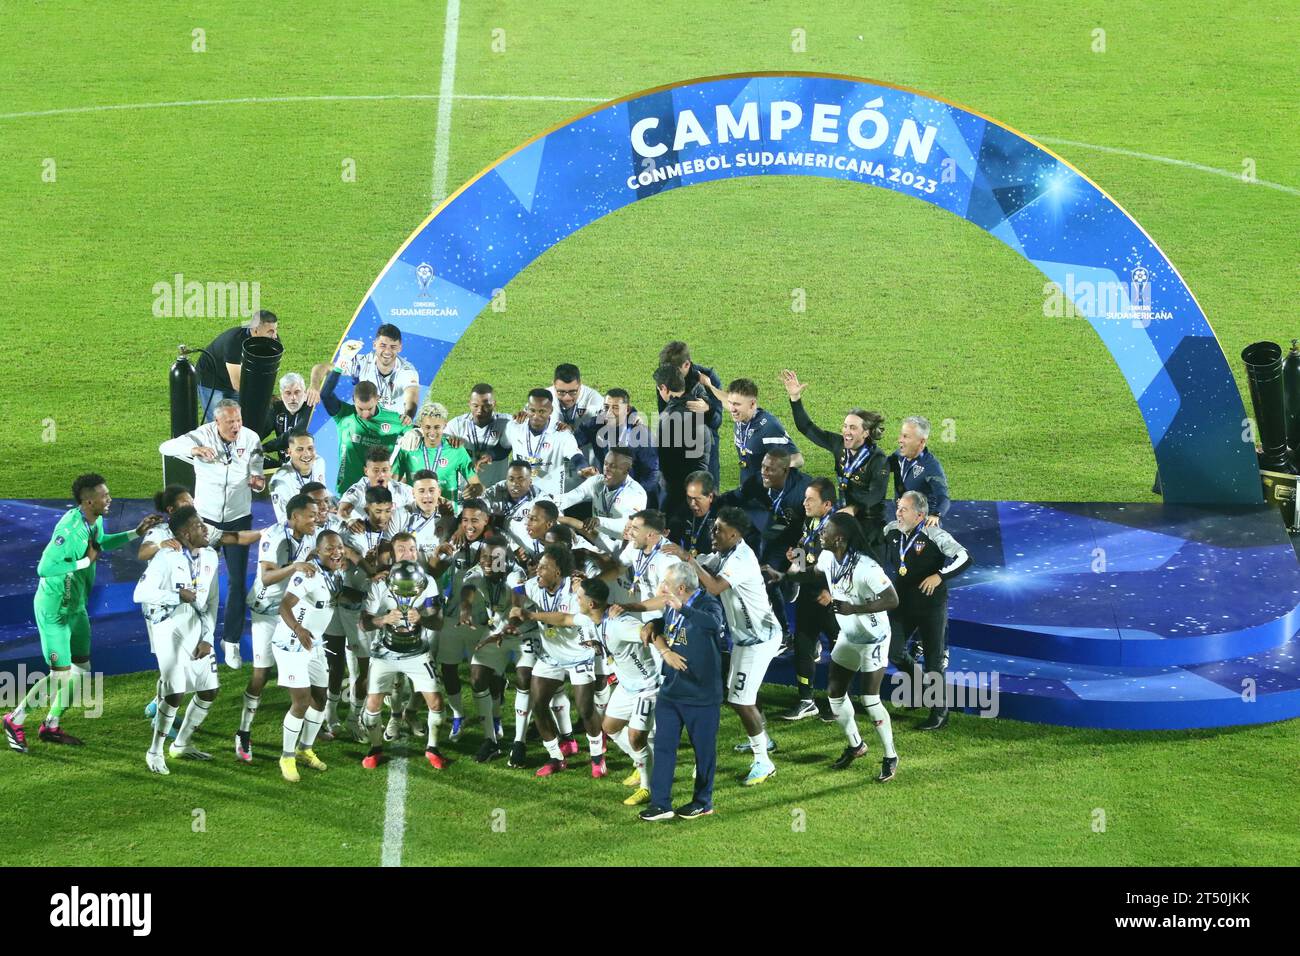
x=406, y=582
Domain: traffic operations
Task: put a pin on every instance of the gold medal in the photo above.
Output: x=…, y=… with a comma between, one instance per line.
x=902, y=570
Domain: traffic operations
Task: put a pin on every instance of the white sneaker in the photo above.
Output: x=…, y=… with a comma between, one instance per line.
x=393, y=728
x=232, y=655
x=157, y=763
x=189, y=752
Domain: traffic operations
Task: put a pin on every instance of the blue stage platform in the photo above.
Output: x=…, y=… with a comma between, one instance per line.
x=1086, y=615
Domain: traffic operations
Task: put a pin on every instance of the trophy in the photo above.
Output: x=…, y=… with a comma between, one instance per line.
x=406, y=582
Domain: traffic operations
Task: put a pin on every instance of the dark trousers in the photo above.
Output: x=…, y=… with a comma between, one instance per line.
x=811, y=621
x=236, y=579
x=701, y=723
x=929, y=621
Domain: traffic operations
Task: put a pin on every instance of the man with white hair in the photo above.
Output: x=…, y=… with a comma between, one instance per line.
x=290, y=412
x=396, y=379
x=916, y=469
x=220, y=364
x=921, y=559
x=227, y=459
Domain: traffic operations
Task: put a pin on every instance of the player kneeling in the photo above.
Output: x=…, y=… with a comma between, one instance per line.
x=403, y=609
x=860, y=593
x=299, y=648
x=173, y=593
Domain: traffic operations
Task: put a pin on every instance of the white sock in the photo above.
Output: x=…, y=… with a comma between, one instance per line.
x=602, y=697
x=435, y=721
x=249, y=712
x=641, y=758
x=620, y=739
x=195, y=714
x=162, y=722
x=563, y=718
x=311, y=722
x=758, y=745
x=453, y=701
x=596, y=745
x=553, y=748
x=483, y=702
x=354, y=670
x=373, y=729
x=292, y=731
x=842, y=709
x=884, y=727
x=331, y=708
x=521, y=715
x=39, y=694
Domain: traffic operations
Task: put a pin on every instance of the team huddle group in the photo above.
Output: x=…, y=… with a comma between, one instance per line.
x=570, y=543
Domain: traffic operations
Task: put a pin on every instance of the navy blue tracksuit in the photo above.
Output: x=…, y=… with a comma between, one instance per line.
x=691, y=698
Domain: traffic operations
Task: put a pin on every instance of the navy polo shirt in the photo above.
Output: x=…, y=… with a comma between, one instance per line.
x=923, y=474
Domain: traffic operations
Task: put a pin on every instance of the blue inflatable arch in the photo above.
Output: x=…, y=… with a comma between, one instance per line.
x=836, y=127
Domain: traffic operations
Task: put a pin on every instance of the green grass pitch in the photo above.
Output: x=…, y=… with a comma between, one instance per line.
x=938, y=319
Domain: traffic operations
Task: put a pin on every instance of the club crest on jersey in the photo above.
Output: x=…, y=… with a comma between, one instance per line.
x=386, y=428
x=239, y=452
x=919, y=546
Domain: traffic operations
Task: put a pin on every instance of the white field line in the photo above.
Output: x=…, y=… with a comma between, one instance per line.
x=509, y=98
x=446, y=89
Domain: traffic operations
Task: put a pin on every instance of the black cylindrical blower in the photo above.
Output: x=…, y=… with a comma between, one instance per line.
x=257, y=371
x=1264, y=373
x=1291, y=397
x=183, y=382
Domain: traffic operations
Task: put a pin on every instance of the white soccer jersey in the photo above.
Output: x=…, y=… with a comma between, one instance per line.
x=380, y=600
x=317, y=596
x=749, y=612
x=634, y=663
x=559, y=646
x=363, y=542
x=392, y=386
x=611, y=507
x=545, y=453
x=858, y=580
x=515, y=512
x=403, y=496
x=489, y=439
x=286, y=483
x=279, y=547
x=590, y=402
x=425, y=527
x=645, y=572
x=221, y=491
x=158, y=592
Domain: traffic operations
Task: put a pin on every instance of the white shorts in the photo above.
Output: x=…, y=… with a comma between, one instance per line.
x=637, y=708
x=494, y=656
x=299, y=668
x=527, y=652
x=748, y=668
x=178, y=672
x=578, y=674
x=860, y=657
x=419, y=669
x=263, y=628
x=455, y=642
